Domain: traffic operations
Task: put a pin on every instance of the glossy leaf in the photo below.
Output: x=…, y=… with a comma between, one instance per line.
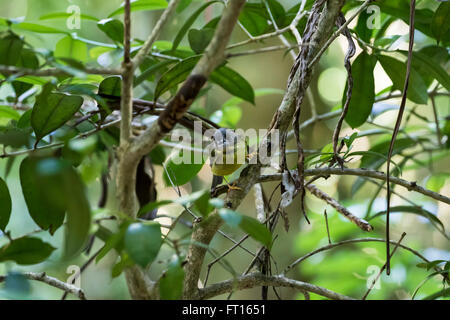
x=395, y=69
x=253, y=18
x=363, y=93
x=68, y=47
x=141, y=5
x=142, y=242
x=436, y=182
x=200, y=199
x=199, y=39
x=5, y=205
x=152, y=206
x=52, y=111
x=175, y=75
x=179, y=172
x=46, y=214
x=233, y=83
x=26, y=251
x=111, y=86
x=39, y=28
x=113, y=28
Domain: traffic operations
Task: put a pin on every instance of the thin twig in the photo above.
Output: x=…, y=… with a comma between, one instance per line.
x=374, y=281
x=397, y=127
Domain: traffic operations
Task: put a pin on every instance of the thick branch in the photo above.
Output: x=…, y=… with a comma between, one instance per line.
x=257, y=279
x=282, y=119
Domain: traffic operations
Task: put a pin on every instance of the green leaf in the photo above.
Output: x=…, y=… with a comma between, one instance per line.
x=234, y=83
x=251, y=226
x=361, y=27
x=432, y=66
x=418, y=211
x=26, y=251
x=400, y=9
x=199, y=39
x=171, y=283
x=440, y=28
x=69, y=47
x=6, y=205
x=38, y=28
x=147, y=73
x=436, y=182
x=114, y=241
x=113, y=28
x=65, y=15
x=189, y=22
x=10, y=48
x=157, y=155
x=7, y=112
x=181, y=172
x=253, y=18
x=141, y=5
x=395, y=69
x=52, y=111
x=46, y=214
x=363, y=93
x=142, y=242
x=228, y=116
x=175, y=75
x=111, y=86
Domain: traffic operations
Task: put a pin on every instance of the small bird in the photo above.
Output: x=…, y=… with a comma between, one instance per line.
x=228, y=154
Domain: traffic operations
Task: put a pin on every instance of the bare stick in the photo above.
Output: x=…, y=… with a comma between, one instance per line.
x=382, y=268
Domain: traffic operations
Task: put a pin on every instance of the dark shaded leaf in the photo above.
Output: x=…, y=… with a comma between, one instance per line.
x=10, y=48
x=395, y=69
x=46, y=214
x=5, y=205
x=113, y=28
x=440, y=28
x=26, y=251
x=199, y=39
x=171, y=283
x=234, y=83
x=189, y=22
x=363, y=94
x=52, y=111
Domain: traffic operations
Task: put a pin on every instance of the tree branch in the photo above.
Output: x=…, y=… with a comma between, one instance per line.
x=257, y=279
x=43, y=277
x=411, y=186
x=53, y=72
x=146, y=47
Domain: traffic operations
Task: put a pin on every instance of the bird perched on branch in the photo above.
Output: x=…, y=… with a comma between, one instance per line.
x=229, y=153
